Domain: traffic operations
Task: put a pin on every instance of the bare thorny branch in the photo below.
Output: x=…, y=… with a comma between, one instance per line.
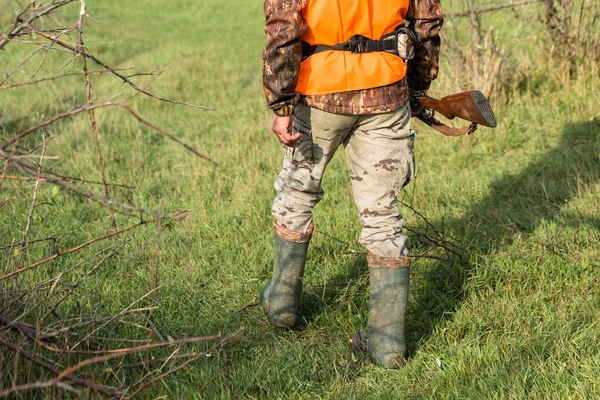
x=52, y=343
x=88, y=94
x=511, y=4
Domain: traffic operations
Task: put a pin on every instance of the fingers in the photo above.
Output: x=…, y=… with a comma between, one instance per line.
x=415, y=108
x=289, y=139
x=282, y=128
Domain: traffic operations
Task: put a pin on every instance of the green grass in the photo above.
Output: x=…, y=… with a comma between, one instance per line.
x=516, y=317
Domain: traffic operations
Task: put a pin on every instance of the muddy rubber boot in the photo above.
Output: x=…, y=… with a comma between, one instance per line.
x=383, y=341
x=281, y=295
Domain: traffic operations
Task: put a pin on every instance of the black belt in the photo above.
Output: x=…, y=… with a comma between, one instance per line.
x=361, y=44
x=357, y=44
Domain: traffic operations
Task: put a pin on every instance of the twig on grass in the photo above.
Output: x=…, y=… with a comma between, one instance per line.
x=122, y=352
x=103, y=199
x=247, y=306
x=69, y=377
x=355, y=253
x=155, y=258
x=64, y=178
x=25, y=329
x=331, y=311
x=118, y=315
x=76, y=285
x=8, y=246
x=54, y=119
x=88, y=95
x=38, y=385
x=33, y=202
x=228, y=375
x=216, y=346
x=79, y=247
x=83, y=322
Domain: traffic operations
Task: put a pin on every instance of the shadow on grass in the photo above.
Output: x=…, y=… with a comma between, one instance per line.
x=516, y=205
x=348, y=287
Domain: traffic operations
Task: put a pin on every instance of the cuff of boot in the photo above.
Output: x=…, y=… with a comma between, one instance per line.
x=291, y=236
x=375, y=261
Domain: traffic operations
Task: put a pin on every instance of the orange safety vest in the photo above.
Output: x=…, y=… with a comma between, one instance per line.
x=335, y=21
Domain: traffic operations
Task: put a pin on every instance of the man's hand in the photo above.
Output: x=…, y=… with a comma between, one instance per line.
x=282, y=128
x=416, y=112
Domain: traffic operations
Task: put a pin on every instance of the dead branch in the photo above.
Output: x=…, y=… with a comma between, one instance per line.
x=109, y=103
x=54, y=280
x=63, y=337
x=356, y=253
x=8, y=246
x=77, y=248
x=69, y=377
x=155, y=257
x=124, y=78
x=25, y=329
x=167, y=134
x=183, y=365
x=58, y=117
x=85, y=276
x=83, y=322
x=53, y=78
x=122, y=352
x=19, y=66
x=38, y=385
x=28, y=156
x=490, y=9
x=152, y=361
x=20, y=25
x=88, y=95
x=103, y=199
x=64, y=178
x=150, y=293
x=139, y=349
x=33, y=203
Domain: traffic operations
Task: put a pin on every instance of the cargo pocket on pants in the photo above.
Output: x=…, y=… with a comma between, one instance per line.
x=408, y=160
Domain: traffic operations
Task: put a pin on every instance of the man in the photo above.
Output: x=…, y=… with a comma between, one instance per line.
x=333, y=75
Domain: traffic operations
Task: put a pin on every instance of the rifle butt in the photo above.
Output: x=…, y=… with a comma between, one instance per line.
x=471, y=106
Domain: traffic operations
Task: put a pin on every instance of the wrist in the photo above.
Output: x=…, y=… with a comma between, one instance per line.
x=286, y=110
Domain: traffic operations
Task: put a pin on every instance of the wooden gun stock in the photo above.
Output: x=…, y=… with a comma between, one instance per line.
x=471, y=106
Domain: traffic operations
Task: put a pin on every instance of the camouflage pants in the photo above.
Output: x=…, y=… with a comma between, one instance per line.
x=380, y=155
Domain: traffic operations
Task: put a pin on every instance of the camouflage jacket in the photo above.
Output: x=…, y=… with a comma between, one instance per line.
x=281, y=61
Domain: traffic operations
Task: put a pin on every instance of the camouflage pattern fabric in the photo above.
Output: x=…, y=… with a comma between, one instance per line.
x=284, y=25
x=380, y=155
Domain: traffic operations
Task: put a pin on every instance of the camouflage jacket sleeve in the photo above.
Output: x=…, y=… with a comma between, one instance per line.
x=281, y=57
x=425, y=19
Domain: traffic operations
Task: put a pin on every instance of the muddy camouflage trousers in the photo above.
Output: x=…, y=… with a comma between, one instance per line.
x=380, y=154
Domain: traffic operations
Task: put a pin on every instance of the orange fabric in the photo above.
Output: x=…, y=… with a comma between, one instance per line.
x=335, y=21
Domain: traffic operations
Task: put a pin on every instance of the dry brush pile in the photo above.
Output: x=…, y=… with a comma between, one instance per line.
x=50, y=340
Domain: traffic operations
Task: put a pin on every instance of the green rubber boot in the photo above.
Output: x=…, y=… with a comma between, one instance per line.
x=281, y=295
x=383, y=341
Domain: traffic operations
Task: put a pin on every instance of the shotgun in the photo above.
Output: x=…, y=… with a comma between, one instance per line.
x=471, y=106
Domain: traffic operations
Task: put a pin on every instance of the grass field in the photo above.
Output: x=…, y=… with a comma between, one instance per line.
x=515, y=316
